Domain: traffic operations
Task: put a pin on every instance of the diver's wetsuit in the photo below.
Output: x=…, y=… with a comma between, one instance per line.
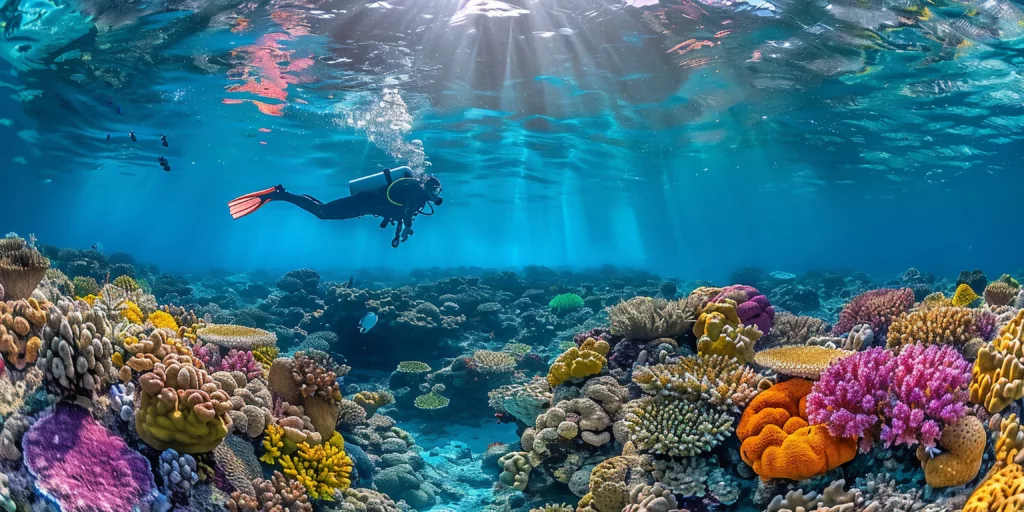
x=398, y=202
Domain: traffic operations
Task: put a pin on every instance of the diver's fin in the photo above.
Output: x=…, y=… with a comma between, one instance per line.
x=244, y=205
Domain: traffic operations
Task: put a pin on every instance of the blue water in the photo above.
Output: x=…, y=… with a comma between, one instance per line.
x=791, y=135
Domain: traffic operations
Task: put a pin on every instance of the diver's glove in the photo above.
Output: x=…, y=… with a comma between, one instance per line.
x=406, y=233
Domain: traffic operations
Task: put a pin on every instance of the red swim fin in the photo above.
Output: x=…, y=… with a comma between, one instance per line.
x=244, y=205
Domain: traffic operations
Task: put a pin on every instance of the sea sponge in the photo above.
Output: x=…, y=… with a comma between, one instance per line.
x=650, y=498
x=645, y=318
x=722, y=313
x=322, y=469
x=21, y=324
x=515, y=470
x=936, y=326
x=162, y=320
x=236, y=336
x=777, y=441
x=1000, y=293
x=963, y=443
x=832, y=499
x=717, y=380
x=964, y=296
x=1003, y=491
x=677, y=428
x=721, y=338
x=182, y=407
x=576, y=363
x=22, y=267
x=998, y=374
x=806, y=361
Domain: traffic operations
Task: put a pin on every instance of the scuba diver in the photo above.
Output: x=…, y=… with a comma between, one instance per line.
x=396, y=195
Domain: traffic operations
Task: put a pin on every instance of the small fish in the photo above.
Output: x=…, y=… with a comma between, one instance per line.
x=367, y=322
x=163, y=140
x=119, y=111
x=95, y=246
x=131, y=135
x=108, y=136
x=165, y=164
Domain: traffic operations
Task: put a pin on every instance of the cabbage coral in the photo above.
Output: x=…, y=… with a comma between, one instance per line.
x=576, y=363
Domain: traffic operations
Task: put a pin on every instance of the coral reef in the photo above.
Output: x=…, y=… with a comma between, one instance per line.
x=877, y=308
x=576, y=363
x=937, y=326
x=645, y=318
x=806, y=361
x=998, y=374
x=22, y=267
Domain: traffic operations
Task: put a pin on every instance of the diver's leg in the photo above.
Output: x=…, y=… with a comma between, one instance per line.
x=350, y=207
x=302, y=201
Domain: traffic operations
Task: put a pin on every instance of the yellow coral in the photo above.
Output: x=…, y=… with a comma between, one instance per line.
x=1010, y=441
x=117, y=359
x=126, y=283
x=273, y=443
x=162, y=320
x=964, y=296
x=963, y=445
x=998, y=374
x=807, y=361
x=934, y=326
x=722, y=337
x=90, y=299
x=131, y=312
x=1003, y=491
x=723, y=313
x=577, y=363
x=265, y=355
x=373, y=400
x=321, y=469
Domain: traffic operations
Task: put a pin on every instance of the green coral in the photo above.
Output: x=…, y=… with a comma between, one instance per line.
x=84, y=285
x=566, y=302
x=431, y=401
x=413, y=367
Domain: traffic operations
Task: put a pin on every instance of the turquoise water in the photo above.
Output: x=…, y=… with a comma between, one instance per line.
x=700, y=155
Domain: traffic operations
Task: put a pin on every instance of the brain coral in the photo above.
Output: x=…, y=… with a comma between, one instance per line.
x=875, y=307
x=777, y=441
x=752, y=307
x=723, y=339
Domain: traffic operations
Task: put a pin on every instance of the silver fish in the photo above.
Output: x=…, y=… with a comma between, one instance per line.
x=367, y=322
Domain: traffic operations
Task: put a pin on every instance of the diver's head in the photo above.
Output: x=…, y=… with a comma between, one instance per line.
x=433, y=187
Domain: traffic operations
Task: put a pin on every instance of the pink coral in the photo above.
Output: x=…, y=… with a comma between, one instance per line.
x=208, y=353
x=850, y=394
x=929, y=390
x=875, y=307
x=240, y=361
x=77, y=463
x=986, y=322
x=752, y=307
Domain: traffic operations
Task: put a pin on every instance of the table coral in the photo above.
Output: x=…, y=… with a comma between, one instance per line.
x=77, y=463
x=1003, y=491
x=777, y=441
x=805, y=361
x=963, y=444
x=645, y=318
x=22, y=267
x=21, y=324
x=717, y=380
x=182, y=407
x=998, y=374
x=236, y=336
x=576, y=363
x=75, y=351
x=877, y=308
x=937, y=326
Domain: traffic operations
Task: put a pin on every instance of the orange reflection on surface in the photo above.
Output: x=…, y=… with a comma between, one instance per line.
x=241, y=25
x=266, y=71
x=690, y=45
x=276, y=109
x=292, y=21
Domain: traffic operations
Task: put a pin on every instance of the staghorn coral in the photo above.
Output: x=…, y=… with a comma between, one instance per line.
x=929, y=390
x=522, y=401
x=805, y=361
x=790, y=329
x=964, y=296
x=1002, y=491
x=275, y=495
x=240, y=361
x=322, y=469
x=998, y=374
x=1000, y=293
x=351, y=414
x=676, y=428
x=721, y=338
x=315, y=380
x=719, y=381
x=576, y=363
x=75, y=351
x=78, y=464
x=832, y=499
x=645, y=318
x=963, y=443
x=21, y=324
x=850, y=393
x=182, y=407
x=22, y=267
x=936, y=326
x=236, y=336
x=877, y=308
x=370, y=401
x=515, y=470
x=777, y=442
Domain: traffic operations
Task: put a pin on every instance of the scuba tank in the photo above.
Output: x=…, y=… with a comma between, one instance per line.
x=379, y=180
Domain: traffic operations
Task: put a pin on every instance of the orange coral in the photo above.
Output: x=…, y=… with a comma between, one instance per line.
x=778, y=442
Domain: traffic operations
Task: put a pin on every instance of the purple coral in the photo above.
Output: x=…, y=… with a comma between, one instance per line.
x=77, y=464
x=985, y=321
x=850, y=394
x=208, y=354
x=240, y=361
x=875, y=307
x=929, y=390
x=752, y=307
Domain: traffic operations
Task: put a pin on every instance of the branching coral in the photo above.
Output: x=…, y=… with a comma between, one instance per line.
x=313, y=379
x=777, y=441
x=790, y=329
x=21, y=324
x=806, y=361
x=877, y=308
x=275, y=495
x=848, y=397
x=182, y=407
x=240, y=361
x=963, y=444
x=677, y=428
x=644, y=318
x=131, y=312
x=719, y=381
x=576, y=363
x=22, y=267
x=236, y=336
x=937, y=326
x=321, y=469
x=75, y=351
x=162, y=320
x=998, y=374
x=929, y=390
